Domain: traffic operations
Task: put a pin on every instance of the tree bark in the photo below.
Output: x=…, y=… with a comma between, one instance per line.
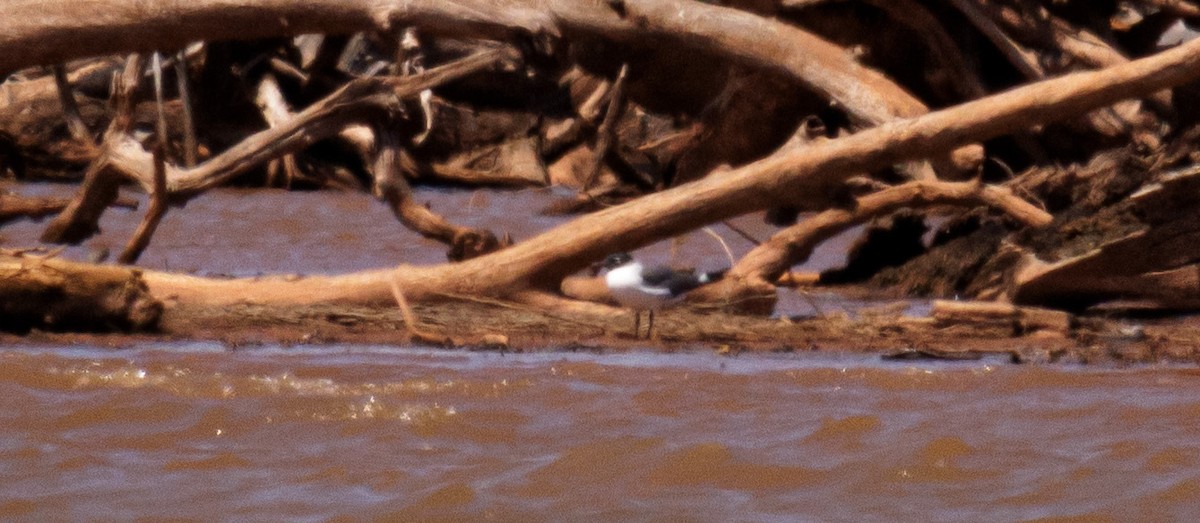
x=52, y=294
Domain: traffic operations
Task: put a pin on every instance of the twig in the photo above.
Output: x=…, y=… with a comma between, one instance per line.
x=410, y=319
x=724, y=245
x=154, y=213
x=605, y=133
x=66, y=97
x=190, y=146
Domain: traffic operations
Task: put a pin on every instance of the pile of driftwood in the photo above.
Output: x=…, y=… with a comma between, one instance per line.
x=1058, y=166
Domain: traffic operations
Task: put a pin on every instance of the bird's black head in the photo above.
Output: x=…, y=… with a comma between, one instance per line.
x=616, y=260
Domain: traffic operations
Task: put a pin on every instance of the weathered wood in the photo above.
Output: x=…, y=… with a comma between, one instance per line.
x=767, y=262
x=56, y=295
x=13, y=207
x=1156, y=265
x=787, y=178
x=1022, y=319
x=362, y=100
x=390, y=186
x=51, y=32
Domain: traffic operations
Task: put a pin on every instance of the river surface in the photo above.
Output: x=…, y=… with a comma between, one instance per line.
x=353, y=433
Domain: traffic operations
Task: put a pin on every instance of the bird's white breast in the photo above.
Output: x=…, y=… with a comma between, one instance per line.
x=626, y=285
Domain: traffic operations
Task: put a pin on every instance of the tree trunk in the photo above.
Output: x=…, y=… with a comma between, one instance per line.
x=52, y=294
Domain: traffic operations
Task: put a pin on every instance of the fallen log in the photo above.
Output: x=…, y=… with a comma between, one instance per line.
x=41, y=293
x=13, y=207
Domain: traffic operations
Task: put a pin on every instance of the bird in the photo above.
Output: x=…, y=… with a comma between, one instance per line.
x=648, y=288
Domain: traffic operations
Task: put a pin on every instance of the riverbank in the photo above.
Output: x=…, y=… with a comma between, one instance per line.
x=883, y=329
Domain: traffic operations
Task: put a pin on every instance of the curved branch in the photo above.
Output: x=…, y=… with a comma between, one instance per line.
x=123, y=156
x=795, y=244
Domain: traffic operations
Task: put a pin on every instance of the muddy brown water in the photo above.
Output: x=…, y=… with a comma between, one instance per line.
x=203, y=431
x=351, y=433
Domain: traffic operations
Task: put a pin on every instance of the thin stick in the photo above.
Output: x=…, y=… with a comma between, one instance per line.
x=724, y=245
x=158, y=197
x=159, y=98
x=741, y=232
x=410, y=319
x=154, y=213
x=66, y=97
x=190, y=146
x=607, y=130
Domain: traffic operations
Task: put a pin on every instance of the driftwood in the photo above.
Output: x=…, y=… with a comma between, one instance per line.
x=1086, y=48
x=360, y=101
x=13, y=207
x=749, y=284
x=868, y=97
x=1021, y=320
x=540, y=263
x=41, y=293
x=1156, y=267
x=879, y=155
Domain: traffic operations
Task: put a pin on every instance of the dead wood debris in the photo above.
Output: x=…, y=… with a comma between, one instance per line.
x=816, y=106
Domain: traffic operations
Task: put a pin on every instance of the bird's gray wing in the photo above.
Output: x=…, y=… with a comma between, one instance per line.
x=657, y=276
x=676, y=282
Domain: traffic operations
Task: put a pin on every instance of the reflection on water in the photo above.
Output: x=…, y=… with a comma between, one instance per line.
x=328, y=432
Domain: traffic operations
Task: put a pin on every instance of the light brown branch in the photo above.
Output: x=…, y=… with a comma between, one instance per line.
x=391, y=186
x=795, y=244
x=154, y=213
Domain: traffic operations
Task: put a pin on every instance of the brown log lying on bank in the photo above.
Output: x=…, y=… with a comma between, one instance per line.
x=1021, y=320
x=41, y=293
x=13, y=207
x=539, y=264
